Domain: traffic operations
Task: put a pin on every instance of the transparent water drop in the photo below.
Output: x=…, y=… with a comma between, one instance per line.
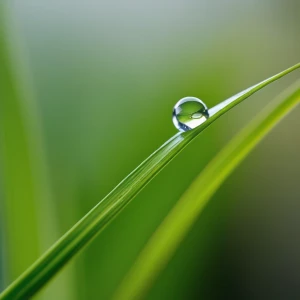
x=189, y=113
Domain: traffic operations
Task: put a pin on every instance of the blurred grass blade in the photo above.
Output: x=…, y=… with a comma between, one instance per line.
x=79, y=235
x=27, y=212
x=166, y=239
x=20, y=209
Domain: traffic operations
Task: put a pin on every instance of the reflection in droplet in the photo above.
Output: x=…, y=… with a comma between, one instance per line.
x=189, y=113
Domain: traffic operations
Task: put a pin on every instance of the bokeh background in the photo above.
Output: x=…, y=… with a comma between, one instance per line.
x=103, y=78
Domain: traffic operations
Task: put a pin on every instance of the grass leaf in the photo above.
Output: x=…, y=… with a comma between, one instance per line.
x=19, y=206
x=91, y=224
x=28, y=215
x=166, y=239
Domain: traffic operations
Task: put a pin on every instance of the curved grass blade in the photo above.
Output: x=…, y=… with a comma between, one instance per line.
x=166, y=239
x=93, y=222
x=15, y=164
x=28, y=215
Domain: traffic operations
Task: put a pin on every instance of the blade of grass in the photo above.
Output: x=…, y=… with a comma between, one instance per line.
x=17, y=174
x=30, y=224
x=86, y=229
x=166, y=239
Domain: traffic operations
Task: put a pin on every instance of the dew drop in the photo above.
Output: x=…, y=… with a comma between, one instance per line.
x=189, y=113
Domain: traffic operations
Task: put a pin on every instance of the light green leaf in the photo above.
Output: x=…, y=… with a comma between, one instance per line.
x=28, y=215
x=166, y=239
x=91, y=224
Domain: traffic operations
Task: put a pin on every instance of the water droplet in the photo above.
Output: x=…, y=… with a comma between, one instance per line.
x=189, y=113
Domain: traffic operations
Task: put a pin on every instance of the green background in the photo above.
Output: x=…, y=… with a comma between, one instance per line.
x=105, y=76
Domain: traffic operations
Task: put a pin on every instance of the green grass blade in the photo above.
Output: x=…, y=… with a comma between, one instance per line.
x=20, y=205
x=82, y=232
x=166, y=239
x=28, y=216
